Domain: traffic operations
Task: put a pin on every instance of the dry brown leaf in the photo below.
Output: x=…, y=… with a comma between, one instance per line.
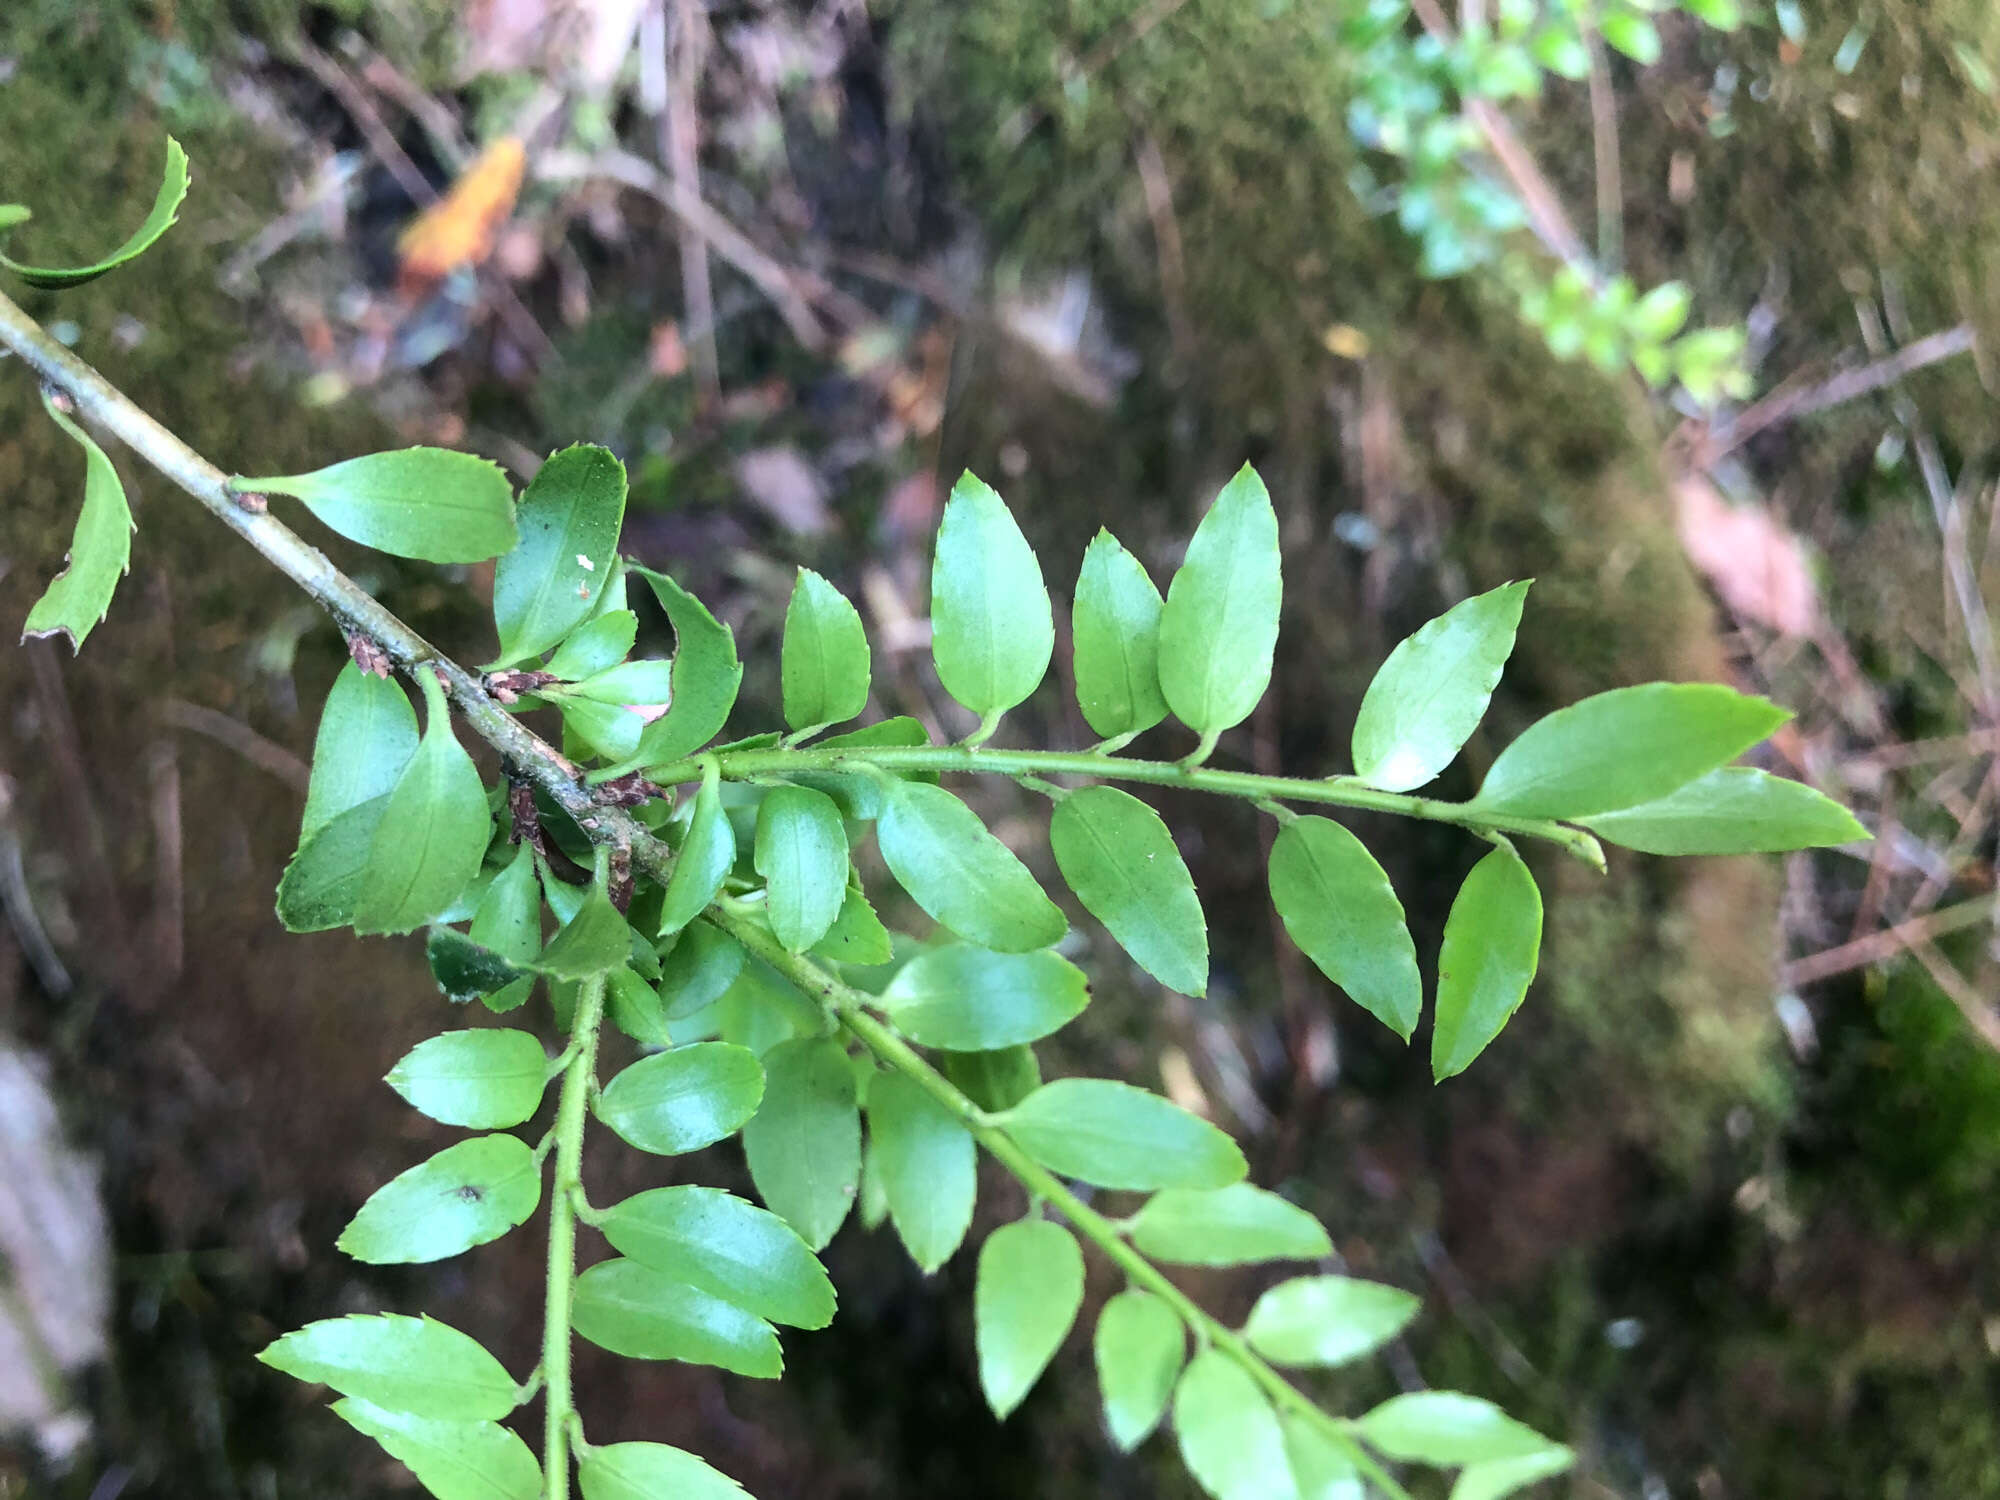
x=461, y=227
x=1758, y=566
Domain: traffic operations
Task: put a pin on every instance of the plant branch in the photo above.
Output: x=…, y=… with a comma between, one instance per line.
x=558, y=1406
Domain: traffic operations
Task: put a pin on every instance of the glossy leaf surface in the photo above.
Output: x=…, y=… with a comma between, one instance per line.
x=466, y=1195
x=703, y=863
x=1230, y=1226
x=727, y=1247
x=1140, y=1346
x=1026, y=1296
x=706, y=675
x=100, y=549
x=928, y=1165
x=569, y=519
x=1445, y=1428
x=1229, y=1436
x=648, y=1471
x=1220, y=625
x=967, y=999
x=1117, y=1136
x=992, y=631
x=414, y=1365
x=594, y=941
x=964, y=877
x=802, y=854
x=1497, y=1478
x=1327, y=1320
x=433, y=832
x=367, y=734
x=453, y=1460
x=1115, y=624
x=857, y=935
x=1735, y=810
x=597, y=646
x=1323, y=1470
x=1123, y=865
x=804, y=1146
x=1339, y=908
x=483, y=1080
x=679, y=1101
x=699, y=969
x=824, y=665
x=641, y=1313
x=1492, y=944
x=428, y=503
x=324, y=880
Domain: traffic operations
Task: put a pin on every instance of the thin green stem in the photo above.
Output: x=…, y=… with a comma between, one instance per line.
x=559, y=1410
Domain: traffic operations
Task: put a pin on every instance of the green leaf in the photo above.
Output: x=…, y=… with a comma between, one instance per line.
x=1140, y=1346
x=648, y=1471
x=967, y=999
x=595, y=647
x=483, y=1080
x=699, y=969
x=550, y=582
x=1446, y=1429
x=679, y=1101
x=802, y=854
x=960, y=874
x=1634, y=35
x=100, y=550
x=325, y=878
x=1499, y=1477
x=594, y=941
x=465, y=969
x=1327, y=1320
x=857, y=935
x=1229, y=1436
x=704, y=861
x=427, y=503
x=367, y=734
x=12, y=214
x=1662, y=312
x=861, y=794
x=706, y=675
x=508, y=921
x=1433, y=690
x=825, y=663
x=1231, y=1226
x=647, y=683
x=1623, y=748
x=166, y=207
x=634, y=1008
x=1026, y=1296
x=1220, y=625
x=929, y=1168
x=716, y=1242
x=453, y=1460
x=1340, y=909
x=994, y=1080
x=1735, y=810
x=418, y=1366
x=1492, y=942
x=641, y=1313
x=1123, y=865
x=433, y=833
x=1118, y=1136
x=1115, y=624
x=992, y=631
x=609, y=730
x=804, y=1145
x=1322, y=1470
x=466, y=1195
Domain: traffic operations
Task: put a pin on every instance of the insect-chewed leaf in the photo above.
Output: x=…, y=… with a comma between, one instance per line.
x=324, y=880
x=960, y=874
x=1117, y=1136
x=706, y=675
x=507, y=922
x=928, y=1165
x=646, y=1471
x=992, y=631
x=699, y=969
x=1115, y=623
x=967, y=999
x=596, y=647
x=634, y=1008
x=1446, y=1429
x=1123, y=865
x=641, y=1313
x=995, y=1080
x=857, y=935
x=1735, y=810
x=1339, y=908
x=704, y=861
x=1230, y=1226
x=483, y=1080
x=1140, y=1347
x=1497, y=1478
x=1026, y=1296
x=453, y=1460
x=679, y=1101
x=824, y=662
x=100, y=550
x=428, y=503
x=1624, y=748
x=1220, y=625
x=1433, y=690
x=1327, y=1320
x=1229, y=1436
x=734, y=1250
x=1492, y=943
x=804, y=1145
x=367, y=734
x=801, y=852
x=166, y=208
x=594, y=941
x=1323, y=1471
x=466, y=1195
x=550, y=582
x=418, y=1366
x=433, y=832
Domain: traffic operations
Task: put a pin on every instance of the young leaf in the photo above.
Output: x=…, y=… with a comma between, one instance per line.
x=716, y=1242
x=992, y=631
x=609, y=730
x=1117, y=1136
x=569, y=520
x=466, y=1195
x=1220, y=625
x=1339, y=908
x=1492, y=941
x=825, y=663
x=960, y=874
x=644, y=684
x=1322, y=1470
x=1497, y=1478
x=706, y=675
x=325, y=878
x=166, y=207
x=928, y=1168
x=1624, y=748
x=367, y=734
x=804, y=1145
x=646, y=1471
x=1433, y=690
x=1123, y=865
x=1735, y=810
x=857, y=935
x=427, y=503
x=433, y=832
x=1231, y=1226
x=1445, y=1429
x=802, y=854
x=508, y=921
x=704, y=860
x=1327, y=1320
x=994, y=1080
x=453, y=1460
x=1229, y=1436
x=594, y=941
x=698, y=970
x=1140, y=1346
x=595, y=647
x=1115, y=623
x=417, y=1366
x=634, y=1008
x=1026, y=1296
x=483, y=1080
x=966, y=999
x=100, y=550
x=679, y=1101
x=641, y=1313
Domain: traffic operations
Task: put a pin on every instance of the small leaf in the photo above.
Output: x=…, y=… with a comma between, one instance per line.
x=967, y=999
x=857, y=935
x=928, y=1166
x=1327, y=1320
x=1115, y=624
x=483, y=1080
x=641, y=1313
x=166, y=208
x=1322, y=1470
x=609, y=730
x=1220, y=625
x=1231, y=1226
x=992, y=631
x=804, y=1145
x=1123, y=865
x=418, y=1366
x=706, y=675
x=1492, y=942
x=508, y=921
x=994, y=1080
x=1735, y=810
x=367, y=734
x=1026, y=1296
x=960, y=874
x=634, y=1008
x=465, y=969
x=704, y=861
x=433, y=832
x=1433, y=690
x=453, y=1460
x=680, y=1101
x=699, y=969
x=1499, y=1477
x=1634, y=35
x=12, y=214
x=592, y=648
x=427, y=503
x=594, y=941
x=802, y=854
x=466, y=1195
x=716, y=1242
x=647, y=1471
x=1339, y=907
x=1445, y=1429
x=1118, y=1136
x=825, y=663
x=569, y=520
x=860, y=794
x=325, y=878
x=1140, y=1347
x=1229, y=1436
x=647, y=684
x=100, y=550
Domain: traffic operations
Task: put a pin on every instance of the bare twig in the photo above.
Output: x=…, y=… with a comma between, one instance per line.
x=234, y=734
x=1888, y=942
x=1610, y=178
x=1159, y=191
x=680, y=152
x=382, y=142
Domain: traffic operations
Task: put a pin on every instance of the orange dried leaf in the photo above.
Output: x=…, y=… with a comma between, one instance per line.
x=460, y=228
